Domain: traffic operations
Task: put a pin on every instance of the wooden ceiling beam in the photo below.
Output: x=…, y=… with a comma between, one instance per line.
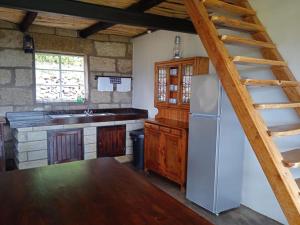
x=103, y=13
x=27, y=21
x=140, y=6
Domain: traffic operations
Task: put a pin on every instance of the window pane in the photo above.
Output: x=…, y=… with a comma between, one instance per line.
x=72, y=63
x=47, y=77
x=72, y=78
x=47, y=93
x=46, y=61
x=72, y=93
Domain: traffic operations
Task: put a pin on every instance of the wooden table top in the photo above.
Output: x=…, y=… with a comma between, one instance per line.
x=92, y=192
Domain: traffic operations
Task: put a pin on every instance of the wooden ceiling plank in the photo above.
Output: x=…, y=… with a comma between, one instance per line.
x=103, y=13
x=140, y=6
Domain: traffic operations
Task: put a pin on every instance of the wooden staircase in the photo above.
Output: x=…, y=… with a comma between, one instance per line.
x=276, y=165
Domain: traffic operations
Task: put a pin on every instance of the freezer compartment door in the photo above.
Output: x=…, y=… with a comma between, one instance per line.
x=201, y=171
x=205, y=95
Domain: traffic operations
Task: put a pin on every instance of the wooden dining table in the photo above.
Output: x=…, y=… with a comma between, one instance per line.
x=93, y=192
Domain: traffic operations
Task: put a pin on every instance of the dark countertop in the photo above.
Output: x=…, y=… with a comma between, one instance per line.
x=49, y=118
x=94, y=192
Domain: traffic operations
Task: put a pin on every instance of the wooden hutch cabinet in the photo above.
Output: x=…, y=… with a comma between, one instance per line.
x=166, y=136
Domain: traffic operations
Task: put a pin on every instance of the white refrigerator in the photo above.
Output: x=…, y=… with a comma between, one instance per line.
x=216, y=146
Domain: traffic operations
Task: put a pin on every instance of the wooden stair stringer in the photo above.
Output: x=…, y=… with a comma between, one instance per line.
x=279, y=177
x=281, y=73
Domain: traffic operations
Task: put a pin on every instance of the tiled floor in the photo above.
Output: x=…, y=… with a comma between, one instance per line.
x=240, y=216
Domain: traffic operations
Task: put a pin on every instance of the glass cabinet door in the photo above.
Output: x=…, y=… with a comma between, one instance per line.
x=162, y=85
x=174, y=72
x=187, y=72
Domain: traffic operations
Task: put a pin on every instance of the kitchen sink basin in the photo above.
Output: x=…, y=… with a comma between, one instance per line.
x=62, y=116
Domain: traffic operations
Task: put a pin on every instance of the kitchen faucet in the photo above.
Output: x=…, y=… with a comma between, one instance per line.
x=88, y=111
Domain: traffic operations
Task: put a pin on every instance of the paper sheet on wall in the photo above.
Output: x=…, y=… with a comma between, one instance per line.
x=125, y=85
x=104, y=84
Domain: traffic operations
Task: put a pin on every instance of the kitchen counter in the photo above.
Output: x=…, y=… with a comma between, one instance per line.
x=49, y=118
x=169, y=123
x=32, y=132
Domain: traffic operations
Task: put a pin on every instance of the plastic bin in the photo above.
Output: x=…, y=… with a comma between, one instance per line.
x=137, y=137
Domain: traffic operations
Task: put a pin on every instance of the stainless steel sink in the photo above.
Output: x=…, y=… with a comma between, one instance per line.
x=60, y=116
x=103, y=114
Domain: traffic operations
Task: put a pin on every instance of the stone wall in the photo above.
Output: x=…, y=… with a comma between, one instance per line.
x=105, y=55
x=30, y=144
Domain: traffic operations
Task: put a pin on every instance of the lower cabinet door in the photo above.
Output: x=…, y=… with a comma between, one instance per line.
x=172, y=156
x=152, y=149
x=111, y=141
x=65, y=146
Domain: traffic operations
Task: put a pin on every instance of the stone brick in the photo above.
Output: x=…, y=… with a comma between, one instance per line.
x=124, y=66
x=117, y=38
x=110, y=49
x=21, y=156
x=100, y=96
x=126, y=105
x=90, y=139
x=5, y=109
x=55, y=127
x=89, y=131
x=66, y=32
x=34, y=155
x=46, y=42
x=20, y=136
x=15, y=58
x=24, y=77
x=92, y=82
x=5, y=76
x=122, y=97
x=129, y=50
x=32, y=164
x=102, y=64
x=8, y=25
x=90, y=155
x=24, y=129
x=103, y=124
x=11, y=39
x=90, y=148
x=41, y=29
x=108, y=106
x=99, y=37
x=16, y=96
x=31, y=146
x=129, y=151
x=75, y=126
x=37, y=135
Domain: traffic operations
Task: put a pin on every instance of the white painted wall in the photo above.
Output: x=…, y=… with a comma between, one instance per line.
x=152, y=48
x=281, y=20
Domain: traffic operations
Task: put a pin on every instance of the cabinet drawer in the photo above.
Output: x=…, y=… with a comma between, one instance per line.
x=176, y=132
x=151, y=126
x=165, y=129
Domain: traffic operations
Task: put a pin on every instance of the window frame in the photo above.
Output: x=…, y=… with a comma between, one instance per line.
x=86, y=86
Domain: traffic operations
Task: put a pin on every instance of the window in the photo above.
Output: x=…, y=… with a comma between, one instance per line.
x=59, y=78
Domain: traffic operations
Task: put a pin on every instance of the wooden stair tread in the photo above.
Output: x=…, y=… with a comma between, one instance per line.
x=284, y=130
x=232, y=39
x=250, y=60
x=236, y=24
x=282, y=83
x=291, y=158
x=277, y=105
x=216, y=4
